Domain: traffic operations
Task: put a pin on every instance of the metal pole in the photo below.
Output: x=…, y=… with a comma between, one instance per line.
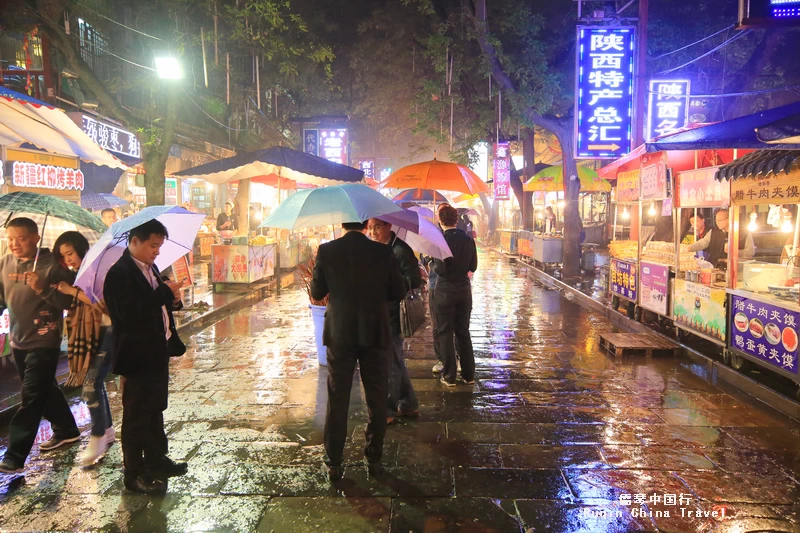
x=203, y=46
x=641, y=73
x=39, y=248
x=228, y=78
x=258, y=92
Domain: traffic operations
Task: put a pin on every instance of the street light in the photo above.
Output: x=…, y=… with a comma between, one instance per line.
x=168, y=68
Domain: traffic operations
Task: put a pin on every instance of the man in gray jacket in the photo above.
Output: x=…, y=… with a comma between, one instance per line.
x=36, y=312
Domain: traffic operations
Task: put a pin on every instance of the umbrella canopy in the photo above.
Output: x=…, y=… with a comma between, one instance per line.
x=100, y=201
x=26, y=120
x=786, y=130
x=54, y=228
x=468, y=211
x=424, y=211
x=737, y=133
x=182, y=226
x=551, y=179
x=280, y=161
x=465, y=198
x=428, y=239
x=23, y=203
x=436, y=175
x=421, y=196
x=330, y=205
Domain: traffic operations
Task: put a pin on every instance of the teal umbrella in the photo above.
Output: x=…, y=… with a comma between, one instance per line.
x=328, y=206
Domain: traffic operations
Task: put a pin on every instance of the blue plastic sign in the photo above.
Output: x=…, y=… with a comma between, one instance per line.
x=367, y=166
x=668, y=107
x=604, y=92
x=784, y=8
x=766, y=332
x=623, y=279
x=311, y=142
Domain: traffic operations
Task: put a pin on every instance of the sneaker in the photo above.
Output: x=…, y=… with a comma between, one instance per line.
x=97, y=448
x=57, y=442
x=8, y=467
x=467, y=381
x=446, y=383
x=438, y=367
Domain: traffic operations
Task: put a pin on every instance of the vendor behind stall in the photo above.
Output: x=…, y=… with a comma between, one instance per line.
x=715, y=241
x=225, y=220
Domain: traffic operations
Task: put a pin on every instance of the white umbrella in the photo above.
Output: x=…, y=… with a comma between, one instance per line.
x=428, y=239
x=182, y=226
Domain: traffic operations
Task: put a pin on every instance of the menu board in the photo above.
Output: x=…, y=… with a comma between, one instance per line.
x=623, y=279
x=654, y=281
x=766, y=332
x=699, y=308
x=699, y=188
x=628, y=186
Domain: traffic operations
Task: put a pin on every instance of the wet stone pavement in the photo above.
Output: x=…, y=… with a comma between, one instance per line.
x=555, y=436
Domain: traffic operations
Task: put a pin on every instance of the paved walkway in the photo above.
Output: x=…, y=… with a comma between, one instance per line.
x=555, y=436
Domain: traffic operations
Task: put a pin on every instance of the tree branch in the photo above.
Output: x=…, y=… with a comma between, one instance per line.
x=477, y=15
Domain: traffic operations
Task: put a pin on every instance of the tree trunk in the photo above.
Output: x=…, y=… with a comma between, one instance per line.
x=156, y=153
x=572, y=220
x=528, y=153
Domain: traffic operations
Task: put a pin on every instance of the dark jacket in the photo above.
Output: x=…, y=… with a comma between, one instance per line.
x=453, y=271
x=140, y=341
x=361, y=277
x=409, y=269
x=223, y=217
x=36, y=319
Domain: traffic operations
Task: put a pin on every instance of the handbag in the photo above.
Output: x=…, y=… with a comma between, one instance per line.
x=412, y=313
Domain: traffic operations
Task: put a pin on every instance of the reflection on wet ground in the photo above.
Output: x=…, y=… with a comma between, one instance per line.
x=554, y=436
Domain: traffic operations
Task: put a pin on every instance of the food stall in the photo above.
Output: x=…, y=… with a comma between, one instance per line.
x=508, y=241
x=699, y=295
x=764, y=291
x=243, y=263
x=525, y=244
x=624, y=247
x=656, y=235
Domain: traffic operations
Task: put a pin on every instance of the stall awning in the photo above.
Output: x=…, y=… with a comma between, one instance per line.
x=737, y=133
x=27, y=120
x=783, y=131
x=761, y=163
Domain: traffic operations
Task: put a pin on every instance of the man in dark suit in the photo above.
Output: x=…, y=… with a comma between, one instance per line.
x=361, y=277
x=140, y=305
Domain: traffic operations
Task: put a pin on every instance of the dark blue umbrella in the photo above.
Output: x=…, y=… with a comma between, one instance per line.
x=279, y=161
x=737, y=133
x=421, y=196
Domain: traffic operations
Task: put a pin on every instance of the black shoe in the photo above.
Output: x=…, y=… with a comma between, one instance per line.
x=168, y=467
x=145, y=484
x=334, y=473
x=7, y=466
x=375, y=469
x=58, y=442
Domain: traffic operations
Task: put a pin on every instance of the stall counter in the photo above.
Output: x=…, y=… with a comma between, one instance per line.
x=548, y=249
x=699, y=308
x=508, y=241
x=240, y=263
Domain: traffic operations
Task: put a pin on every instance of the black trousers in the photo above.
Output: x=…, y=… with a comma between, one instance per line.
x=41, y=397
x=453, y=311
x=373, y=364
x=434, y=322
x=144, y=442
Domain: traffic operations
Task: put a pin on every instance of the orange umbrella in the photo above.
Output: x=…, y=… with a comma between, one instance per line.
x=435, y=174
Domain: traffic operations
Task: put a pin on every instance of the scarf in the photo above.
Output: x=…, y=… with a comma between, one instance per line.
x=83, y=339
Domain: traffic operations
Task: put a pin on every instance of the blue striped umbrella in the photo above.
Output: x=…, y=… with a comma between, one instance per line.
x=100, y=201
x=421, y=196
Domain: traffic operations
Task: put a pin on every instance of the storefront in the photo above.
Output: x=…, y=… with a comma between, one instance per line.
x=699, y=295
x=624, y=247
x=764, y=264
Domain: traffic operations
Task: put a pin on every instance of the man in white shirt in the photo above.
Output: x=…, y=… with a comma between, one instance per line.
x=140, y=306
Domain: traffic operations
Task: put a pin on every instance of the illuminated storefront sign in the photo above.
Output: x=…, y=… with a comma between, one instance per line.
x=668, y=107
x=38, y=176
x=333, y=145
x=604, y=92
x=367, y=166
x=502, y=171
x=311, y=142
x=112, y=138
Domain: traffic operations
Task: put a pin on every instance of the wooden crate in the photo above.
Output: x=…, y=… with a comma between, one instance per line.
x=628, y=343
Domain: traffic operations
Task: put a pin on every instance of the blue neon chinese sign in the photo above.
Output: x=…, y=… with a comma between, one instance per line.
x=667, y=108
x=785, y=8
x=604, y=92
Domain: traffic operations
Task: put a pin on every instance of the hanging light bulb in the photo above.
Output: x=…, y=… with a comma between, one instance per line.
x=652, y=210
x=625, y=215
x=752, y=226
x=787, y=225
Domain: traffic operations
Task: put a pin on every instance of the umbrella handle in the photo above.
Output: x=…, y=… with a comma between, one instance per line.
x=39, y=248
